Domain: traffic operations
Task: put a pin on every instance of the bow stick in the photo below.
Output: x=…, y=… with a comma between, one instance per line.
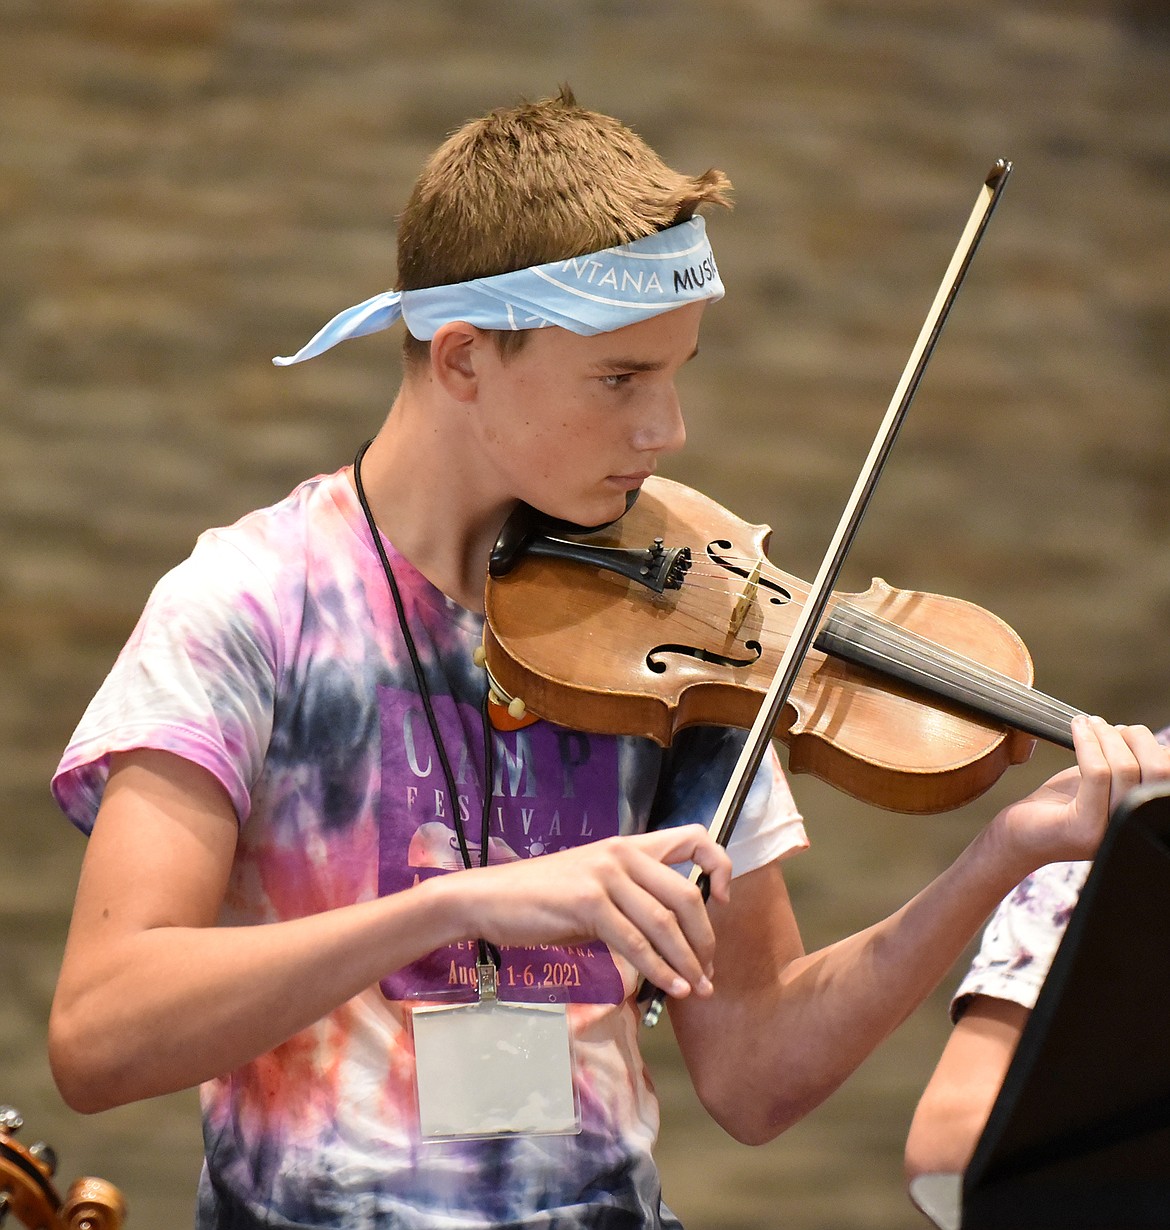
x=804, y=632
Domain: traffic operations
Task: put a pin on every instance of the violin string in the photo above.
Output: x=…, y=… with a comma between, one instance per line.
x=892, y=644
x=885, y=641
x=920, y=649
x=888, y=640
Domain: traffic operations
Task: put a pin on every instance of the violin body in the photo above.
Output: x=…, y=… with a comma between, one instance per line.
x=589, y=649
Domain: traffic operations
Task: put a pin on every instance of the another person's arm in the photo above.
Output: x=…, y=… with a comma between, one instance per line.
x=954, y=1107
x=991, y=1007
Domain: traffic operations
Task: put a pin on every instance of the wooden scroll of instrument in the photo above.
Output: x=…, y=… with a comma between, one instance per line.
x=27, y=1191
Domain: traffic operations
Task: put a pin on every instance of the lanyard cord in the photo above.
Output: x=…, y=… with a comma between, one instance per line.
x=487, y=952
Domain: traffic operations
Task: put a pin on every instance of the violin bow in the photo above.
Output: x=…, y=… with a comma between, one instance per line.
x=804, y=632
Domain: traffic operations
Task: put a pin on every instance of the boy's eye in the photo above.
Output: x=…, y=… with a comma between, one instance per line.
x=616, y=379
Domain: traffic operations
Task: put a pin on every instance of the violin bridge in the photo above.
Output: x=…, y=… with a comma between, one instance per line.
x=744, y=603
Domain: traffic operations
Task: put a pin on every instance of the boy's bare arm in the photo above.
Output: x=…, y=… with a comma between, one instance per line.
x=954, y=1106
x=154, y=996
x=784, y=1029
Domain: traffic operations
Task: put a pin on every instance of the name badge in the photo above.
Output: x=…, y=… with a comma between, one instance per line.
x=494, y=1069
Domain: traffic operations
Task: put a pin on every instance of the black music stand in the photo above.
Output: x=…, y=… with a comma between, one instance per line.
x=1079, y=1136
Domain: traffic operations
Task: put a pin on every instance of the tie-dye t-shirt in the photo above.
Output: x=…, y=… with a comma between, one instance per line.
x=1022, y=936
x=273, y=658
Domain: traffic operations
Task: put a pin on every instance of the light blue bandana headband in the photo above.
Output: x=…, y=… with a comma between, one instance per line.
x=584, y=294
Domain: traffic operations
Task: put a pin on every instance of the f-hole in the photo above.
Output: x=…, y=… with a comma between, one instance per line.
x=779, y=595
x=702, y=655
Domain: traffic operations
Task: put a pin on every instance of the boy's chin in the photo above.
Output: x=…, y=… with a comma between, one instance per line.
x=588, y=514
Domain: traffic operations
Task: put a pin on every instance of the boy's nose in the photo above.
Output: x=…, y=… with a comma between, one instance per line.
x=662, y=429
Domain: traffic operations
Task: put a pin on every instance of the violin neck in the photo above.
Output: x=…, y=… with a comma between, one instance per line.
x=856, y=636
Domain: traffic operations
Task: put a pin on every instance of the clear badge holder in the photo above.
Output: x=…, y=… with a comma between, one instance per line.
x=494, y=1069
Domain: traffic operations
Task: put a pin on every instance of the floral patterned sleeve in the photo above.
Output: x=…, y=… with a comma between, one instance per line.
x=1022, y=937
x=1024, y=933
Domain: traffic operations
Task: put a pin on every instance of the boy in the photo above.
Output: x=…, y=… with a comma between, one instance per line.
x=293, y=753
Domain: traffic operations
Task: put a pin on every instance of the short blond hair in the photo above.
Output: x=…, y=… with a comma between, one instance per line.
x=534, y=183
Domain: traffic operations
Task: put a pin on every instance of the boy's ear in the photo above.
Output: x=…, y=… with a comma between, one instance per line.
x=454, y=354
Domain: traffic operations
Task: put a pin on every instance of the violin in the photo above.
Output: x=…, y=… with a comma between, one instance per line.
x=911, y=701
x=27, y=1191
x=673, y=616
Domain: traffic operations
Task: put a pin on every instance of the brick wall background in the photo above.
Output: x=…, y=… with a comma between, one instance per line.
x=188, y=187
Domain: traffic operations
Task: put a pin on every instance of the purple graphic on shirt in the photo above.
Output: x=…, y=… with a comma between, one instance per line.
x=553, y=789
